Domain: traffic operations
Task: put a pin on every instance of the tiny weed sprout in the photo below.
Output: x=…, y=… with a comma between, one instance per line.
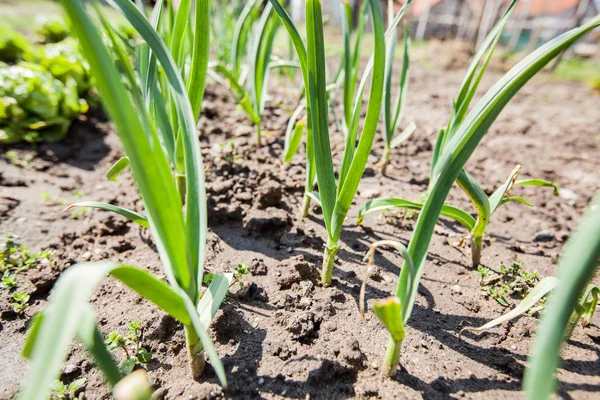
x=20, y=302
x=154, y=106
x=61, y=391
x=454, y=147
x=334, y=196
x=9, y=281
x=131, y=345
x=250, y=89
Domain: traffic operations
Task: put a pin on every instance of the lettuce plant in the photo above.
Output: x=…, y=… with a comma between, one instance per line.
x=34, y=105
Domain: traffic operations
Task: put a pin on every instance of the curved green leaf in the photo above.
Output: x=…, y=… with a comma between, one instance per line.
x=543, y=287
x=149, y=164
x=117, y=168
x=539, y=183
x=464, y=142
x=576, y=267
x=387, y=203
x=131, y=215
x=502, y=192
x=68, y=308
x=293, y=133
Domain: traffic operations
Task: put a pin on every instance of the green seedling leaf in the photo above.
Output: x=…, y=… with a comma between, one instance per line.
x=126, y=366
x=133, y=216
x=540, y=183
x=589, y=304
x=540, y=290
x=293, y=133
x=34, y=329
x=117, y=168
x=503, y=191
x=576, y=267
x=144, y=356
x=404, y=135
x=315, y=196
x=389, y=312
x=211, y=300
x=387, y=203
x=68, y=307
x=518, y=199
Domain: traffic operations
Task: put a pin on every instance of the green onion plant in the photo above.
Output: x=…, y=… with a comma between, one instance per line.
x=334, y=196
x=392, y=109
x=483, y=204
x=257, y=29
x=175, y=215
x=449, y=165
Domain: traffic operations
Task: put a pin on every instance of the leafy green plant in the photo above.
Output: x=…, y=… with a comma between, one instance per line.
x=9, y=281
x=35, y=106
x=175, y=203
x=335, y=197
x=133, y=339
x=392, y=109
x=224, y=20
x=16, y=258
x=65, y=61
x=13, y=45
x=52, y=30
x=250, y=91
x=60, y=391
x=573, y=299
x=20, y=302
x=449, y=164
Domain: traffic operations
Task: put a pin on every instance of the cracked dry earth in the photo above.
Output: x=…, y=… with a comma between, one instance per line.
x=282, y=335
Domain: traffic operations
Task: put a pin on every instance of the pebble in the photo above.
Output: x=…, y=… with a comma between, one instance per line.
x=456, y=289
x=437, y=310
x=261, y=381
x=546, y=235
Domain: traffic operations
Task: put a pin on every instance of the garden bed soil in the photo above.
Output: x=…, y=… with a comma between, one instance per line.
x=284, y=336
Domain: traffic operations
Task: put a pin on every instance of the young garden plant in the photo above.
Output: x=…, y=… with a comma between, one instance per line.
x=484, y=205
x=249, y=88
x=573, y=299
x=178, y=227
x=334, y=196
x=392, y=109
x=449, y=163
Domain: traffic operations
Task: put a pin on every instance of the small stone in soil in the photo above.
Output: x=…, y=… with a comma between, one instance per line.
x=546, y=235
x=456, y=289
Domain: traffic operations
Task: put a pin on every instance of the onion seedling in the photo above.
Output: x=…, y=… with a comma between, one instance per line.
x=336, y=197
x=450, y=164
x=179, y=229
x=485, y=206
x=392, y=110
x=347, y=72
x=250, y=91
